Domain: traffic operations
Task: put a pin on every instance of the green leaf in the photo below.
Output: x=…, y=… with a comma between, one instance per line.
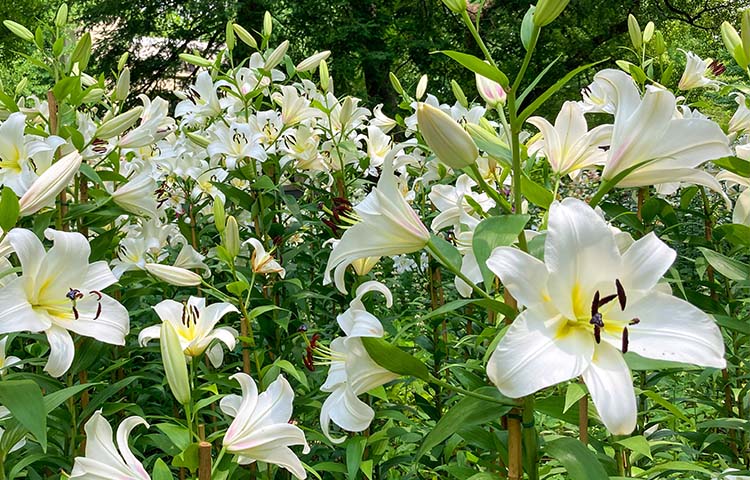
x=24, y=400
x=55, y=399
x=355, y=447
x=394, y=359
x=638, y=444
x=477, y=65
x=575, y=392
x=161, y=471
x=742, y=326
x=528, y=111
x=659, y=400
x=258, y=311
x=495, y=232
x=9, y=209
x=535, y=193
x=729, y=267
x=578, y=460
x=448, y=252
x=735, y=233
x=467, y=412
x=177, y=434
x=735, y=165
x=675, y=466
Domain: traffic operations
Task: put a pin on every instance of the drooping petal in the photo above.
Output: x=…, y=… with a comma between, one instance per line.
x=611, y=387
x=345, y=410
x=62, y=351
x=524, y=276
x=123, y=432
x=148, y=334
x=537, y=351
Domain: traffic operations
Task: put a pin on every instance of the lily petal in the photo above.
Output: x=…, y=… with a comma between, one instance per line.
x=611, y=387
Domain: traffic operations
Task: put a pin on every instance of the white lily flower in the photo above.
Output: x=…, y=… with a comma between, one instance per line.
x=261, y=430
x=60, y=292
x=201, y=102
x=262, y=262
x=741, y=212
x=654, y=146
x=7, y=361
x=137, y=195
x=378, y=145
x=694, y=75
x=740, y=121
x=389, y=226
x=236, y=143
x=381, y=120
x=568, y=145
x=155, y=124
x=294, y=107
x=586, y=305
x=195, y=324
x=452, y=204
x=104, y=460
x=352, y=371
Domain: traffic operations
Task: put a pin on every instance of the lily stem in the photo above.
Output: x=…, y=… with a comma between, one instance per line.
x=469, y=393
x=442, y=259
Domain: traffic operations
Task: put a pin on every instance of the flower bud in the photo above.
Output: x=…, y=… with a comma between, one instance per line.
x=733, y=42
x=276, y=56
x=199, y=140
x=395, y=83
x=175, y=366
x=648, y=32
x=180, y=277
x=229, y=33
x=19, y=30
x=421, y=87
x=634, y=30
x=61, y=18
x=548, y=10
x=220, y=214
x=93, y=95
x=311, y=63
x=490, y=91
x=459, y=94
x=21, y=86
x=123, y=85
x=745, y=34
x=245, y=36
x=267, y=24
x=660, y=46
x=527, y=27
x=54, y=180
x=456, y=6
x=122, y=61
x=120, y=123
x=325, y=77
x=447, y=139
x=196, y=60
x=232, y=237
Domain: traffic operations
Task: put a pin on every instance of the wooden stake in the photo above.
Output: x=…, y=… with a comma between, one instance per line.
x=515, y=470
x=204, y=455
x=583, y=419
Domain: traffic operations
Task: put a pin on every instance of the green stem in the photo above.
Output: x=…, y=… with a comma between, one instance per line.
x=493, y=193
x=526, y=59
x=441, y=258
x=448, y=386
x=530, y=438
x=516, y=165
x=604, y=188
x=477, y=38
x=218, y=460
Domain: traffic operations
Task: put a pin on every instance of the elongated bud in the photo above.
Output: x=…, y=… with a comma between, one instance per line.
x=648, y=32
x=175, y=366
x=82, y=53
x=229, y=33
x=634, y=30
x=527, y=27
x=123, y=85
x=54, y=180
x=245, y=36
x=219, y=214
x=421, y=87
x=456, y=6
x=267, y=25
x=120, y=123
x=447, y=139
x=733, y=42
x=232, y=237
x=459, y=94
x=548, y=10
x=660, y=46
x=311, y=63
x=490, y=91
x=178, y=276
x=347, y=109
x=196, y=60
x=122, y=61
x=198, y=139
x=276, y=56
x=745, y=35
x=61, y=18
x=93, y=95
x=325, y=77
x=395, y=82
x=19, y=30
x=21, y=86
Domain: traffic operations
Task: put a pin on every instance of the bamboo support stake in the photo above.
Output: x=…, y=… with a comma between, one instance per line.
x=583, y=420
x=515, y=471
x=204, y=455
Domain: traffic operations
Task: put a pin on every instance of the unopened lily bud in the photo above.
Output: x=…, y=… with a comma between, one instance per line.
x=180, y=277
x=229, y=33
x=527, y=27
x=220, y=214
x=456, y=6
x=311, y=63
x=325, y=77
x=421, y=87
x=196, y=60
x=61, y=18
x=120, y=123
x=93, y=95
x=347, y=109
x=122, y=61
x=175, y=367
x=548, y=10
x=648, y=32
x=245, y=36
x=396, y=84
x=21, y=86
x=362, y=266
x=232, y=237
x=733, y=42
x=87, y=80
x=447, y=139
x=19, y=30
x=634, y=30
x=459, y=94
x=745, y=34
x=276, y=56
x=198, y=139
x=490, y=91
x=123, y=85
x=660, y=46
x=267, y=25
x=54, y=180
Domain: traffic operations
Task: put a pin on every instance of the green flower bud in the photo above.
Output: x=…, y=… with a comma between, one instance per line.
x=660, y=45
x=120, y=123
x=325, y=77
x=421, y=87
x=219, y=214
x=122, y=61
x=459, y=94
x=456, y=6
x=173, y=359
x=548, y=10
x=123, y=85
x=245, y=36
x=229, y=33
x=19, y=30
x=62, y=16
x=733, y=42
x=636, y=37
x=396, y=84
x=648, y=32
x=267, y=25
x=232, y=237
x=276, y=56
x=447, y=139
